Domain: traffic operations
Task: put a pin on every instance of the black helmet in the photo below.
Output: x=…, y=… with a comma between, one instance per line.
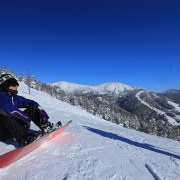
x=7, y=80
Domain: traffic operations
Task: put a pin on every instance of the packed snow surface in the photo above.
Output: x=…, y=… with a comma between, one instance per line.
x=92, y=148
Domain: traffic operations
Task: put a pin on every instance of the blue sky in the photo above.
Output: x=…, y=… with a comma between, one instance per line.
x=93, y=41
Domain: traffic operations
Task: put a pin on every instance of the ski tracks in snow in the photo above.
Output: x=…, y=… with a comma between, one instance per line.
x=92, y=152
x=86, y=161
x=154, y=173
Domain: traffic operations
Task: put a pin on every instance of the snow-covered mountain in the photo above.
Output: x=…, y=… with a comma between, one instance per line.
x=136, y=108
x=92, y=148
x=113, y=87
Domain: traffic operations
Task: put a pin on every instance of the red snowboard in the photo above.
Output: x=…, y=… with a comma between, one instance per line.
x=14, y=155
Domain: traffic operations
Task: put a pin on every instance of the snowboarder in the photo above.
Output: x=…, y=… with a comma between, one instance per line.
x=15, y=123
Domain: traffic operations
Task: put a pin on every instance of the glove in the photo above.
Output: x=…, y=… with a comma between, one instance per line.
x=43, y=115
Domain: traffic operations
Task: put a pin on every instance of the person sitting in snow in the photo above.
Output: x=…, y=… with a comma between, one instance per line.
x=15, y=123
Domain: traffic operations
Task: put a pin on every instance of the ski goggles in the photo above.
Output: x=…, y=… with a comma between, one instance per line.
x=6, y=77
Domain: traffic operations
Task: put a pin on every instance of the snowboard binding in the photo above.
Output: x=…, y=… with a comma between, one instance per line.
x=49, y=127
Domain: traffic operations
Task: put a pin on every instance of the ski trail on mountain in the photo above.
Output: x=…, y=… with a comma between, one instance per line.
x=170, y=119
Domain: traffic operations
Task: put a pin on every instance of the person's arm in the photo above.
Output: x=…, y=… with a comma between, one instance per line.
x=25, y=103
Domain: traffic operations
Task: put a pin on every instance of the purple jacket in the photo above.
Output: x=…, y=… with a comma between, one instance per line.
x=13, y=103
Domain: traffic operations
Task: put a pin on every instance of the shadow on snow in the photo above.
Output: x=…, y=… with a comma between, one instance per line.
x=131, y=142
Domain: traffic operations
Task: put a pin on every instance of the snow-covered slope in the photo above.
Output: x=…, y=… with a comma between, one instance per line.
x=113, y=87
x=92, y=148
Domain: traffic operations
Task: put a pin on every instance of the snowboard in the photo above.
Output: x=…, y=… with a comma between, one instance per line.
x=16, y=154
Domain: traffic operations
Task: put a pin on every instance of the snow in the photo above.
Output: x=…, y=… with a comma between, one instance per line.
x=113, y=87
x=92, y=148
x=176, y=106
x=170, y=119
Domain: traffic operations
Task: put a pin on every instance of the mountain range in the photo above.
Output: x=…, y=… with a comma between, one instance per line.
x=113, y=88
x=132, y=107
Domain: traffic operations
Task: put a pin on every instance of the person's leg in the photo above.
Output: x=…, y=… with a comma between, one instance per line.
x=13, y=128
x=4, y=133
x=33, y=113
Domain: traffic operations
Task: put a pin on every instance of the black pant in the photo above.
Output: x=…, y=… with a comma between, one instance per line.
x=11, y=127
